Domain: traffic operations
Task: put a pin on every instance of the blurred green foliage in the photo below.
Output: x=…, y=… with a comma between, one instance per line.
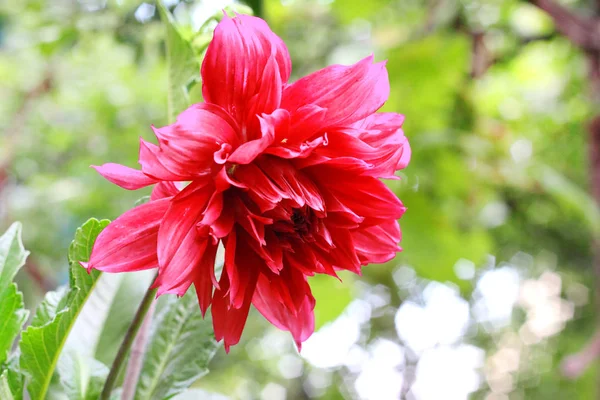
x=499, y=159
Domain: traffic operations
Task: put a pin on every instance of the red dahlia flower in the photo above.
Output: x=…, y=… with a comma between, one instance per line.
x=284, y=175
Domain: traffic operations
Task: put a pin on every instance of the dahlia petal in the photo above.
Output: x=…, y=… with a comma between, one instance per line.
x=349, y=93
x=129, y=242
x=125, y=177
x=268, y=97
x=242, y=51
x=306, y=121
x=164, y=189
x=349, y=152
x=229, y=321
x=261, y=189
x=203, y=277
x=180, y=245
x=292, y=183
x=365, y=196
x=343, y=254
x=301, y=323
x=384, y=129
x=241, y=265
x=202, y=136
x=156, y=166
x=269, y=125
x=377, y=244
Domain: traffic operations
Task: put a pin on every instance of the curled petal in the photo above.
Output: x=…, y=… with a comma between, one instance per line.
x=299, y=320
x=204, y=277
x=270, y=125
x=164, y=189
x=349, y=93
x=365, y=196
x=229, y=321
x=292, y=183
x=125, y=177
x=245, y=59
x=377, y=244
x=181, y=245
x=129, y=242
x=202, y=137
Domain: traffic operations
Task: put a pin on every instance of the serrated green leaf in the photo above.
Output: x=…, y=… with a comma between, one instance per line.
x=11, y=381
x=12, y=312
x=82, y=377
x=42, y=342
x=181, y=345
x=183, y=69
x=81, y=246
x=13, y=316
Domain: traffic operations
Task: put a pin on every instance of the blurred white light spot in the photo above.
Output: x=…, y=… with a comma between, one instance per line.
x=464, y=269
x=505, y=360
x=501, y=383
x=578, y=294
x=443, y=320
x=290, y=366
x=357, y=357
x=521, y=150
x=359, y=310
x=494, y=214
x=497, y=292
x=317, y=382
x=204, y=10
x=449, y=373
x=404, y=276
x=379, y=383
x=510, y=109
x=144, y=12
x=273, y=391
x=380, y=377
x=496, y=396
x=329, y=346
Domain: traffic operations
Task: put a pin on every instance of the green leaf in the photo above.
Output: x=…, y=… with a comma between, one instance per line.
x=11, y=381
x=42, y=342
x=183, y=68
x=12, y=312
x=181, y=345
x=5, y=392
x=120, y=313
x=13, y=316
x=82, y=377
x=12, y=254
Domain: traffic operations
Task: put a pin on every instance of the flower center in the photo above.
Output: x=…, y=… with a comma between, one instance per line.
x=301, y=222
x=299, y=226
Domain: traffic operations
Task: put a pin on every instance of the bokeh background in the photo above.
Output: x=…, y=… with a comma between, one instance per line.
x=494, y=294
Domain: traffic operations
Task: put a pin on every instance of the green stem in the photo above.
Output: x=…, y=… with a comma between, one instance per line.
x=141, y=312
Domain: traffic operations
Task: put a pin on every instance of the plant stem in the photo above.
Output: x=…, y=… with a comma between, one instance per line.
x=140, y=314
x=136, y=358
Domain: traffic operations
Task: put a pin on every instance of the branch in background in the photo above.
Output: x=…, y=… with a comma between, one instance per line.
x=35, y=273
x=575, y=365
x=581, y=31
x=18, y=122
x=585, y=34
x=480, y=56
x=13, y=132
